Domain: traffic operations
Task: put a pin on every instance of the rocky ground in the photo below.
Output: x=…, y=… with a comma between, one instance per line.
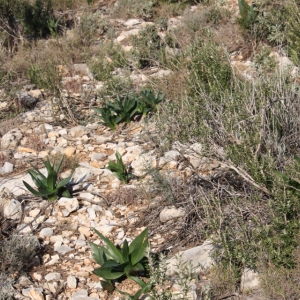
x=63, y=229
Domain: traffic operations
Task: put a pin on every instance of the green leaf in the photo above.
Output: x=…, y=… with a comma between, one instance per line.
x=138, y=247
x=48, y=166
x=98, y=254
x=108, y=273
x=125, y=251
x=66, y=193
x=111, y=250
x=107, y=286
x=64, y=181
x=38, y=178
x=31, y=190
x=59, y=165
x=51, y=180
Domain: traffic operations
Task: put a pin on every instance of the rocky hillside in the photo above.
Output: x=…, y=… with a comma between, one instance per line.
x=180, y=117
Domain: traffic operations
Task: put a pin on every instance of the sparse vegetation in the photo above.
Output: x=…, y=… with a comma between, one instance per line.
x=249, y=205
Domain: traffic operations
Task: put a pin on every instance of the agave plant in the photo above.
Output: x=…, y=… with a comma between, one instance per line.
x=119, y=169
x=128, y=261
x=48, y=187
x=125, y=108
x=108, y=117
x=149, y=101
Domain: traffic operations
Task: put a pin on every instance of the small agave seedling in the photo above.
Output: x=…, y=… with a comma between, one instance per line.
x=47, y=187
x=119, y=169
x=116, y=262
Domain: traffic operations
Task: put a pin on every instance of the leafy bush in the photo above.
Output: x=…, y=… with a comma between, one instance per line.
x=110, y=57
x=36, y=18
x=209, y=68
x=134, y=9
x=248, y=15
x=119, y=169
x=148, y=47
x=293, y=29
x=16, y=254
x=117, y=263
x=48, y=187
x=252, y=128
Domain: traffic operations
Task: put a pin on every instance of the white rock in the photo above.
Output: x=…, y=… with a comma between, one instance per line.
x=143, y=162
x=46, y=232
x=78, y=131
x=63, y=132
x=26, y=292
x=36, y=294
x=132, y=22
x=7, y=168
x=13, y=210
x=105, y=229
x=72, y=282
x=80, y=243
x=33, y=213
x=62, y=249
x=37, y=276
x=249, y=280
x=172, y=155
x=91, y=212
x=56, y=238
x=125, y=34
x=98, y=156
x=70, y=204
x=199, y=258
x=171, y=213
x=53, y=276
x=11, y=139
x=103, y=139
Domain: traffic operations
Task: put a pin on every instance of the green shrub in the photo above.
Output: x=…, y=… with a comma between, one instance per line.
x=16, y=254
x=45, y=75
x=48, y=187
x=248, y=15
x=90, y=28
x=293, y=29
x=110, y=57
x=148, y=48
x=134, y=9
x=208, y=67
x=36, y=18
x=252, y=127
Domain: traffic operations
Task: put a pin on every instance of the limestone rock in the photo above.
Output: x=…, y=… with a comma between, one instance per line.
x=199, y=258
x=53, y=276
x=7, y=168
x=11, y=207
x=142, y=162
x=70, y=204
x=11, y=139
x=72, y=282
x=171, y=213
x=249, y=280
x=78, y=131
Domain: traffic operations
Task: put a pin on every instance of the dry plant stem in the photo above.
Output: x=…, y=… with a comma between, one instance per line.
x=246, y=177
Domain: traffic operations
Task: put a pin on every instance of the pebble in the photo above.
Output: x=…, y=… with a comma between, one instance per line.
x=53, y=276
x=72, y=282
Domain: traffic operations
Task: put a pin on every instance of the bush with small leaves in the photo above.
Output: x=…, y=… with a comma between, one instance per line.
x=17, y=253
